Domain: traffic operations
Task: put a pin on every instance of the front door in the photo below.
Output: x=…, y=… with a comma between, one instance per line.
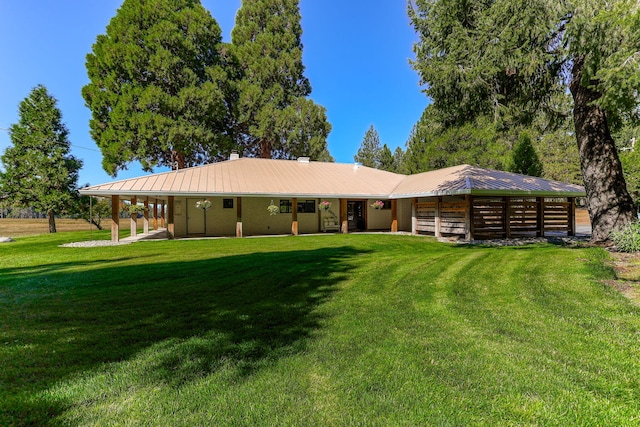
x=355, y=215
x=195, y=218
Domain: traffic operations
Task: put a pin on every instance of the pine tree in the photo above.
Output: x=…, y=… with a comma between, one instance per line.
x=370, y=149
x=276, y=120
x=386, y=159
x=39, y=171
x=511, y=59
x=159, y=90
x=524, y=159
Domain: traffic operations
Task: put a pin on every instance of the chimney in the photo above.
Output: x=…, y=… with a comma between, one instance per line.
x=303, y=159
x=234, y=155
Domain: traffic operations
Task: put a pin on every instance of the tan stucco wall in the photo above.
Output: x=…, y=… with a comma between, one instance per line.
x=404, y=215
x=378, y=219
x=257, y=221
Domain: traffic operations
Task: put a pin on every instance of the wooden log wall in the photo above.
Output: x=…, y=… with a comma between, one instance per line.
x=452, y=217
x=488, y=217
x=557, y=216
x=523, y=217
x=426, y=217
x=497, y=217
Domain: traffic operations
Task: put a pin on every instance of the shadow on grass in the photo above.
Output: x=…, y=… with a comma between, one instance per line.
x=247, y=310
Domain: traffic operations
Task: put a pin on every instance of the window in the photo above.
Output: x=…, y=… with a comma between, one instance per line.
x=304, y=206
x=227, y=203
x=387, y=204
x=285, y=206
x=307, y=206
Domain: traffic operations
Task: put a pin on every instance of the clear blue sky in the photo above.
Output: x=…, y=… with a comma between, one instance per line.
x=356, y=55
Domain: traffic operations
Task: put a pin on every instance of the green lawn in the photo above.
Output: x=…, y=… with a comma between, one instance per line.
x=372, y=330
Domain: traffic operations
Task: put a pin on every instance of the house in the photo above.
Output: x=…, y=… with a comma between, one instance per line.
x=464, y=201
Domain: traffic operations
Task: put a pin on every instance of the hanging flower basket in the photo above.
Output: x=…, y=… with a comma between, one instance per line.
x=325, y=206
x=273, y=209
x=378, y=204
x=203, y=204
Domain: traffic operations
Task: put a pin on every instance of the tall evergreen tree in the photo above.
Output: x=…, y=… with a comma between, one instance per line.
x=510, y=59
x=275, y=117
x=524, y=159
x=159, y=91
x=370, y=149
x=386, y=158
x=399, y=161
x=39, y=171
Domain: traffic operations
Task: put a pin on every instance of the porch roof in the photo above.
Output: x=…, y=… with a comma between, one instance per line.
x=466, y=179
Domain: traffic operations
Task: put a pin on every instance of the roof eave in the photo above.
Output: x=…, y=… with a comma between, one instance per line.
x=108, y=193
x=486, y=193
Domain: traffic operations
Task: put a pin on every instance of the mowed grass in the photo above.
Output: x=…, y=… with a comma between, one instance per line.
x=372, y=330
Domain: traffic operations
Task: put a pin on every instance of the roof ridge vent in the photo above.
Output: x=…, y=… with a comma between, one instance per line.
x=303, y=159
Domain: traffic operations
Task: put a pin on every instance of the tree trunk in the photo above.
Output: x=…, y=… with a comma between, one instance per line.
x=177, y=160
x=265, y=149
x=608, y=201
x=52, y=222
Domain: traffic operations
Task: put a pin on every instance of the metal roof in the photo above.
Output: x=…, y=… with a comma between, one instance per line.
x=466, y=179
x=259, y=177
x=301, y=178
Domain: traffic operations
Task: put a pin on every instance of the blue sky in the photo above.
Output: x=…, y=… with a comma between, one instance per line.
x=356, y=55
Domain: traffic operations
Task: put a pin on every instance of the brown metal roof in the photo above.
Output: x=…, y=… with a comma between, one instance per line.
x=466, y=179
x=259, y=177
x=266, y=177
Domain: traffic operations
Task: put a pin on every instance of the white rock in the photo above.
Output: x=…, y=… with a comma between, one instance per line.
x=6, y=240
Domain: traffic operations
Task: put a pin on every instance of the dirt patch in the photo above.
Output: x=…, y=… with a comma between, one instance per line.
x=627, y=268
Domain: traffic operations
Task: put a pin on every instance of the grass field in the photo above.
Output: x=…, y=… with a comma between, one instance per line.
x=335, y=330
x=13, y=227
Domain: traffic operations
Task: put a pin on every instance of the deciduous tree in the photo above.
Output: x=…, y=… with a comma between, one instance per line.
x=39, y=172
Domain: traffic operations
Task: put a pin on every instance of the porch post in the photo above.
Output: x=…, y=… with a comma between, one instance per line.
x=238, y=216
x=146, y=216
x=437, y=220
x=294, y=216
x=468, y=199
x=170, y=223
x=155, y=214
x=134, y=218
x=394, y=216
x=414, y=217
x=115, y=218
x=540, y=219
x=162, y=223
x=507, y=217
x=344, y=222
x=572, y=216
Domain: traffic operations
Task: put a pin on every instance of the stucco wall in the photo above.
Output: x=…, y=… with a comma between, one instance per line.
x=404, y=215
x=256, y=220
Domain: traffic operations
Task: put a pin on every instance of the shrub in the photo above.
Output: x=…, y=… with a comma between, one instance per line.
x=627, y=238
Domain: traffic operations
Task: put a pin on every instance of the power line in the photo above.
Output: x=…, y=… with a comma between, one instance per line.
x=73, y=145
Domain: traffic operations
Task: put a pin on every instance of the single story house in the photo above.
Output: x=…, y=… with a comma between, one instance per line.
x=311, y=197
